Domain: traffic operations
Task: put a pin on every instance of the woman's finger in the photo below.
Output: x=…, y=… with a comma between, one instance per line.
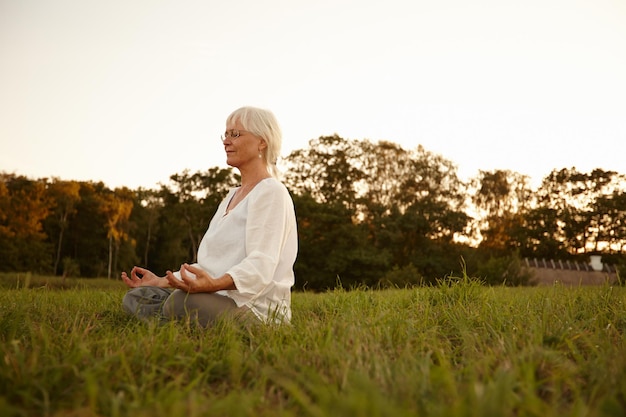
x=192, y=269
x=188, y=275
x=175, y=282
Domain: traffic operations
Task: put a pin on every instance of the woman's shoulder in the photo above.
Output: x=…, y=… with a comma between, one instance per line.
x=272, y=186
x=272, y=183
x=271, y=194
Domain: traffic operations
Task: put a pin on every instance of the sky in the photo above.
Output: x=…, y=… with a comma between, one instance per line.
x=129, y=92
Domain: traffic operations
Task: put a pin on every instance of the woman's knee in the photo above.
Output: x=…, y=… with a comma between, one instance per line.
x=129, y=302
x=144, y=302
x=174, y=307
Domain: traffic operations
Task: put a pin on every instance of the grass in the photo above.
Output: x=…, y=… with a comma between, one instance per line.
x=16, y=281
x=459, y=349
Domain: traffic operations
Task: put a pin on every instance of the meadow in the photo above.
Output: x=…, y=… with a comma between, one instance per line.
x=455, y=349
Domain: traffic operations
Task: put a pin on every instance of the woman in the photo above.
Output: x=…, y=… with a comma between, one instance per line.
x=245, y=259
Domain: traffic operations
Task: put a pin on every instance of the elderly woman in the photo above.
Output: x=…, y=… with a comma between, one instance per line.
x=246, y=257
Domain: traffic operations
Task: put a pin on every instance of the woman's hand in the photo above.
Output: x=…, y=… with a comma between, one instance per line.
x=141, y=277
x=195, y=279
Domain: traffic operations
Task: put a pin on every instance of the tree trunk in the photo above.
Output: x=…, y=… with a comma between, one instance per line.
x=110, y=257
x=145, y=254
x=58, y=257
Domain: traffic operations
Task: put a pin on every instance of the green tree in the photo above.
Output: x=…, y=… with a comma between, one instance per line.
x=502, y=198
x=386, y=168
x=414, y=207
x=24, y=205
x=332, y=249
x=326, y=170
x=87, y=240
x=435, y=192
x=399, y=202
x=145, y=224
x=541, y=234
x=573, y=196
x=117, y=207
x=65, y=195
x=609, y=219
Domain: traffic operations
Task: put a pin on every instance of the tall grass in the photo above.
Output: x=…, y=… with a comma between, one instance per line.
x=458, y=349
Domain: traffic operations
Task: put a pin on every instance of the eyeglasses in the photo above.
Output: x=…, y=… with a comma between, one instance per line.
x=233, y=134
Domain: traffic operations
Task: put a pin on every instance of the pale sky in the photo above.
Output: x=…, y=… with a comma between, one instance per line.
x=130, y=92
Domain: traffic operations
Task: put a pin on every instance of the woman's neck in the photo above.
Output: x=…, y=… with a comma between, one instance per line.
x=253, y=177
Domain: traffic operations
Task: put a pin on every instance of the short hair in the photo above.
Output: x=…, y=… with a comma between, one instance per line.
x=264, y=124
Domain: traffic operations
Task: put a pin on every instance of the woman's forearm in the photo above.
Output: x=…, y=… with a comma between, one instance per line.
x=225, y=282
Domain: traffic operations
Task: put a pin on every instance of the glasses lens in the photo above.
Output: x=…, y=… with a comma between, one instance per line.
x=234, y=133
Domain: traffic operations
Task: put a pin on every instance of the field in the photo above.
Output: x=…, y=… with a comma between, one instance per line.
x=457, y=349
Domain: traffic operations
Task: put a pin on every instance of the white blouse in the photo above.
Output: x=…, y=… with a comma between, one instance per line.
x=256, y=242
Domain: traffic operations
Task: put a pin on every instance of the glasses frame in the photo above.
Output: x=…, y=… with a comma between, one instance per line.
x=232, y=134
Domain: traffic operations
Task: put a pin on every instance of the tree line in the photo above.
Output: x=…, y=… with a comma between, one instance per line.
x=369, y=213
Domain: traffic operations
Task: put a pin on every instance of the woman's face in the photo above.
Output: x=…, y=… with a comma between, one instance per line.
x=243, y=150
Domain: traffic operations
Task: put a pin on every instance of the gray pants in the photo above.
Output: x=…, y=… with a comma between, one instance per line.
x=148, y=303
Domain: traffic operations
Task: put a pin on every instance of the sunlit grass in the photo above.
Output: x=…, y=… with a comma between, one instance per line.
x=459, y=349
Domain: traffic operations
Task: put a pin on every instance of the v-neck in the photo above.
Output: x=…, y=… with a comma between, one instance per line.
x=228, y=209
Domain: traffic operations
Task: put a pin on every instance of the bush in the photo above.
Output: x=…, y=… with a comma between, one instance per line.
x=402, y=277
x=508, y=270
